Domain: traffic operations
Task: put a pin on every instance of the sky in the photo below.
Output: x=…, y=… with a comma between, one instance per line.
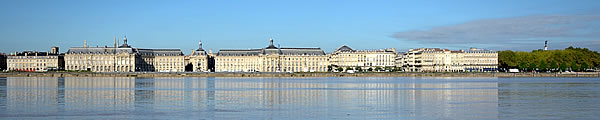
x=521, y=25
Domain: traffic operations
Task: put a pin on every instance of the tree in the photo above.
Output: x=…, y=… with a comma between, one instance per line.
x=370, y=69
x=520, y=59
x=574, y=66
x=340, y=69
x=532, y=66
x=507, y=59
x=523, y=66
x=329, y=68
x=358, y=69
x=584, y=66
x=543, y=67
x=563, y=66
x=553, y=66
x=349, y=68
x=377, y=69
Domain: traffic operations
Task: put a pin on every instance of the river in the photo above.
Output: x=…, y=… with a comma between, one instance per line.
x=299, y=98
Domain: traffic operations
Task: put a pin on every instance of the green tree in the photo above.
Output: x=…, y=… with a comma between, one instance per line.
x=553, y=66
x=543, y=67
x=520, y=59
x=563, y=66
x=329, y=68
x=370, y=69
x=523, y=66
x=358, y=69
x=574, y=66
x=532, y=66
x=349, y=68
x=340, y=69
x=584, y=66
x=377, y=69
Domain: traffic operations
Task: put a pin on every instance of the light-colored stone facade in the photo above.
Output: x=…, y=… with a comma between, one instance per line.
x=199, y=59
x=346, y=57
x=124, y=59
x=272, y=59
x=444, y=60
x=33, y=61
x=99, y=59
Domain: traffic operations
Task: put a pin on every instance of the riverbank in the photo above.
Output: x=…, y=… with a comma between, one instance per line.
x=387, y=74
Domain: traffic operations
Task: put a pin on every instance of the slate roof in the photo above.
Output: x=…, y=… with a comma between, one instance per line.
x=265, y=51
x=199, y=51
x=239, y=52
x=160, y=52
x=111, y=50
x=98, y=50
x=344, y=48
x=33, y=53
x=302, y=51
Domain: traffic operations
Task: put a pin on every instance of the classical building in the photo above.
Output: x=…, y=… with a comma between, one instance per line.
x=444, y=60
x=480, y=60
x=271, y=59
x=34, y=61
x=124, y=58
x=346, y=57
x=199, y=59
x=161, y=60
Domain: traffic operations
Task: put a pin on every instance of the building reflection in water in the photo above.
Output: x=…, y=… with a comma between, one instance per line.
x=246, y=98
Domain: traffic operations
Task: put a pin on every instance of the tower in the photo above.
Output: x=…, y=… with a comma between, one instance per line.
x=546, y=45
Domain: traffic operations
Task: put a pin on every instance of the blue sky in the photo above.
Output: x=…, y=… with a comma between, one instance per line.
x=372, y=24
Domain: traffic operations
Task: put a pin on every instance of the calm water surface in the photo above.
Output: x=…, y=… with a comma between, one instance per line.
x=299, y=98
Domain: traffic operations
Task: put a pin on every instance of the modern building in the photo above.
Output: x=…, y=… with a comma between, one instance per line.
x=271, y=59
x=124, y=58
x=346, y=57
x=34, y=61
x=444, y=60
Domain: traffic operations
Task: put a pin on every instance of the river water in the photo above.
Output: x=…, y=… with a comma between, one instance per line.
x=299, y=98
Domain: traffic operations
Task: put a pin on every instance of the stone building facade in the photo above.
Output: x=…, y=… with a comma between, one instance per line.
x=124, y=58
x=444, y=60
x=34, y=61
x=346, y=57
x=271, y=59
x=199, y=59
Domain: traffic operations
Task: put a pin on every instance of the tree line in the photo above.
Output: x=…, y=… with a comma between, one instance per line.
x=569, y=59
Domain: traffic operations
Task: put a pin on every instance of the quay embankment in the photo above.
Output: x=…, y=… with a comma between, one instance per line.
x=329, y=74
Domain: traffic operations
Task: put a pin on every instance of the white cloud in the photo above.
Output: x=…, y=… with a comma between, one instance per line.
x=527, y=32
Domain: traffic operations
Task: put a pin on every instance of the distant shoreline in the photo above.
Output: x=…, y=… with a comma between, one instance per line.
x=328, y=74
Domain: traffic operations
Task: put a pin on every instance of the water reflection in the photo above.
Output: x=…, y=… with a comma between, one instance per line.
x=549, y=98
x=248, y=98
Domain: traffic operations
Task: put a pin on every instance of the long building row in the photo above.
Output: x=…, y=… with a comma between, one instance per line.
x=125, y=58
